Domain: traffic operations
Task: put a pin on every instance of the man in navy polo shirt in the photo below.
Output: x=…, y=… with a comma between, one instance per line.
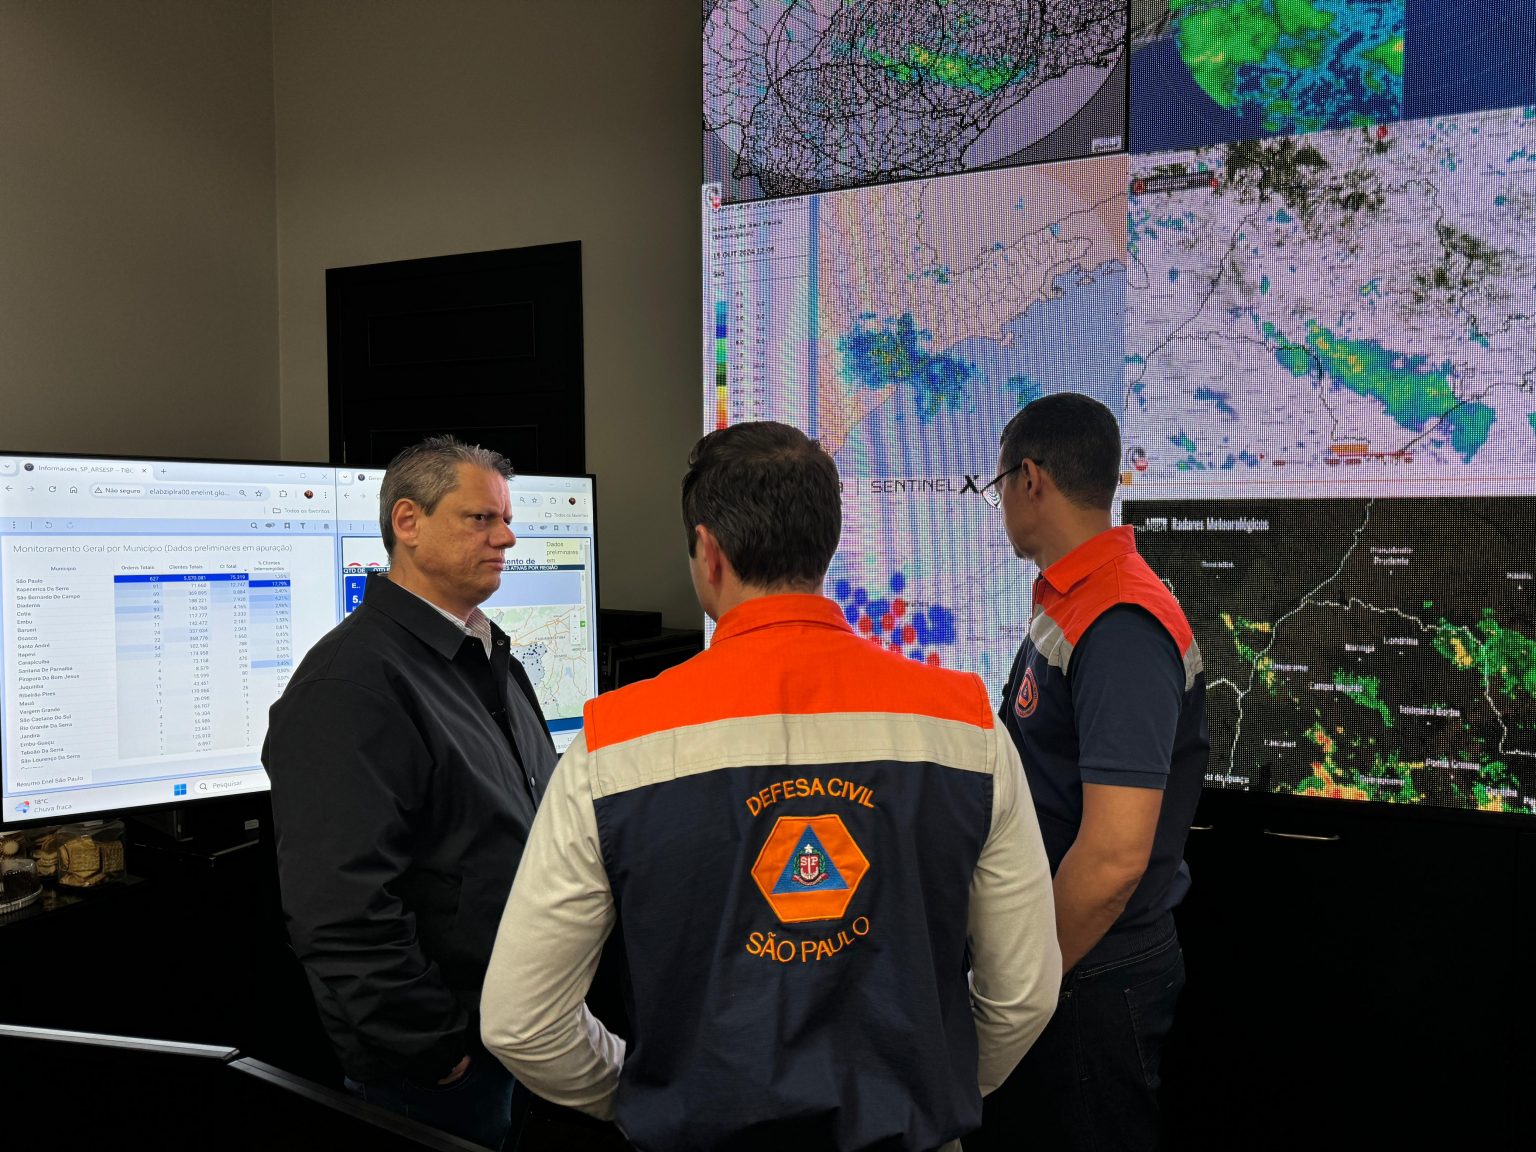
x=1106, y=703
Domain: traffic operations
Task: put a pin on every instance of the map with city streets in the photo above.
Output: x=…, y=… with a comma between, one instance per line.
x=550, y=640
x=1380, y=649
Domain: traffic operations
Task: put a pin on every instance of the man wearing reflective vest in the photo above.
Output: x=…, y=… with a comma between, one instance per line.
x=834, y=901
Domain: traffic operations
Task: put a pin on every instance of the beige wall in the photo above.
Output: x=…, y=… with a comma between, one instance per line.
x=138, y=302
x=407, y=128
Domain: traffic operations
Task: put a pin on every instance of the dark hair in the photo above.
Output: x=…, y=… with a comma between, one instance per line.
x=770, y=495
x=1072, y=437
x=428, y=471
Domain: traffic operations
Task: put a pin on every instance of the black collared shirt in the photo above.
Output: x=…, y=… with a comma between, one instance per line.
x=406, y=768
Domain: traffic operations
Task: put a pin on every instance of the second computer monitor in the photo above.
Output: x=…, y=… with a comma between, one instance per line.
x=547, y=602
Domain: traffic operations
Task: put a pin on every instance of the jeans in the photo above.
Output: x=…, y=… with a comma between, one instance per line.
x=485, y=1105
x=1089, y=1083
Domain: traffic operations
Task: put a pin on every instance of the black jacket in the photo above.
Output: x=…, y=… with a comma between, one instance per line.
x=402, y=798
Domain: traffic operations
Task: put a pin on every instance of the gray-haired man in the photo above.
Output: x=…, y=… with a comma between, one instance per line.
x=407, y=757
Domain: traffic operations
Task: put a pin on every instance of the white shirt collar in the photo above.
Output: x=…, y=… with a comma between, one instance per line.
x=478, y=625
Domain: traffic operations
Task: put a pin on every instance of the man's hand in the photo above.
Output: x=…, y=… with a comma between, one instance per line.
x=458, y=1072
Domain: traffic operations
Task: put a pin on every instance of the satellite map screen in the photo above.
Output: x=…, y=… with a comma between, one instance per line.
x=1303, y=275
x=1360, y=297
x=1366, y=649
x=903, y=326
x=1208, y=71
x=1211, y=70
x=809, y=95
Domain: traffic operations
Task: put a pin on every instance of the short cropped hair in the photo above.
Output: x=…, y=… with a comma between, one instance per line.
x=428, y=471
x=771, y=496
x=1074, y=438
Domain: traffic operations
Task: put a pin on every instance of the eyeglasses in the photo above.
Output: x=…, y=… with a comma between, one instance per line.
x=991, y=493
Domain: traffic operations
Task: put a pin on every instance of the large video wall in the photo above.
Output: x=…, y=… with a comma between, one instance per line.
x=1290, y=242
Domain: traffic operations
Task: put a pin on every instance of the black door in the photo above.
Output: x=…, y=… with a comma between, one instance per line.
x=486, y=346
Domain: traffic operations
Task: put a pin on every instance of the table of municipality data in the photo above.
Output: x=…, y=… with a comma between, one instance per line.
x=198, y=655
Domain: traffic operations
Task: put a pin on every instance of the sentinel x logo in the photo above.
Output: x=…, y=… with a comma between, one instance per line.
x=972, y=484
x=809, y=868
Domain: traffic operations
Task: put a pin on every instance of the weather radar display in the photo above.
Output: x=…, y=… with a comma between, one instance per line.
x=1290, y=243
x=809, y=95
x=1353, y=304
x=1211, y=70
x=1378, y=649
x=903, y=326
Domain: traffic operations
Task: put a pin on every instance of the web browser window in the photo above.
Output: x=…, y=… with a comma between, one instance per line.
x=152, y=611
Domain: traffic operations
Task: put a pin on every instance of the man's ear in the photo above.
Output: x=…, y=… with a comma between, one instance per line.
x=710, y=555
x=405, y=518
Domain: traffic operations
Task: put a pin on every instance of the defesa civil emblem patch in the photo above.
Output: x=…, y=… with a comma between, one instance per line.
x=809, y=868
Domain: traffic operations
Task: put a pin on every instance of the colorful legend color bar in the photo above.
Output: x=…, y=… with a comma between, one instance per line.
x=722, y=352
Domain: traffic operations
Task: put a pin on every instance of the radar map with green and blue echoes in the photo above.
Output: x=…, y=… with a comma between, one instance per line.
x=1359, y=300
x=1361, y=649
x=1242, y=69
x=811, y=95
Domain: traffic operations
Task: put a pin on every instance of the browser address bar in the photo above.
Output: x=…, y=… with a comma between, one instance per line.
x=234, y=492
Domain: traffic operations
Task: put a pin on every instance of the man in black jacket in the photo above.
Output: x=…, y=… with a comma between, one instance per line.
x=407, y=757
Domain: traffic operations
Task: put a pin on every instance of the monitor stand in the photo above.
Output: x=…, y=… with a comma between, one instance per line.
x=205, y=834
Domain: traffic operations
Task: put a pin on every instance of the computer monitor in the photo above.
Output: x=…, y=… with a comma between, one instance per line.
x=152, y=610
x=150, y=613
x=547, y=602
